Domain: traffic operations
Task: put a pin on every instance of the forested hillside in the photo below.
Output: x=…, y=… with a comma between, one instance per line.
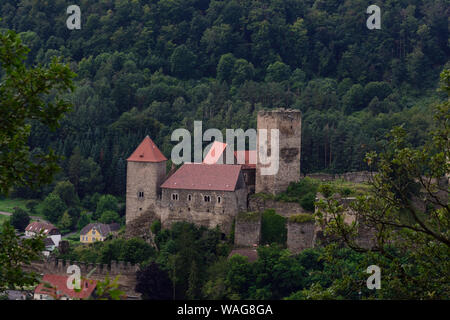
x=149, y=67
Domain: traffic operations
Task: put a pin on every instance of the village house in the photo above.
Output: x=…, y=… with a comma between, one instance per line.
x=49, y=244
x=54, y=287
x=47, y=229
x=94, y=232
x=51, y=233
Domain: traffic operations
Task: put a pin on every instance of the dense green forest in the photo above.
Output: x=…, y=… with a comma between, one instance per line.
x=149, y=67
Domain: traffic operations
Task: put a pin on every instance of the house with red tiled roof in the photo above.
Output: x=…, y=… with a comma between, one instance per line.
x=55, y=287
x=51, y=233
x=35, y=227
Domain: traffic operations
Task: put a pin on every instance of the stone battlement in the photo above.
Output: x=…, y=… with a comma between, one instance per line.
x=278, y=110
x=53, y=265
x=125, y=270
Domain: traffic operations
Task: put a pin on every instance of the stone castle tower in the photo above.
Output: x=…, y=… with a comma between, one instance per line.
x=146, y=171
x=288, y=122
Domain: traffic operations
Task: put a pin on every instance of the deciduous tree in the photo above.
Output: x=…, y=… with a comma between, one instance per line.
x=25, y=96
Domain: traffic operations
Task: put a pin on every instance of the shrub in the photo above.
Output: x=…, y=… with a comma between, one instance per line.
x=273, y=228
x=156, y=227
x=346, y=192
x=20, y=219
x=303, y=192
x=326, y=190
x=307, y=201
x=248, y=216
x=31, y=206
x=301, y=218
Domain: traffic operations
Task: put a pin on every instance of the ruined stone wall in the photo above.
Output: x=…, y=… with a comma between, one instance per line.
x=209, y=214
x=285, y=209
x=247, y=232
x=366, y=237
x=300, y=236
x=366, y=234
x=143, y=177
x=125, y=270
x=288, y=122
x=141, y=227
x=355, y=177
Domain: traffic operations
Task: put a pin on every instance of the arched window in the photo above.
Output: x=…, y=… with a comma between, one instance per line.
x=175, y=196
x=207, y=198
x=219, y=199
x=189, y=197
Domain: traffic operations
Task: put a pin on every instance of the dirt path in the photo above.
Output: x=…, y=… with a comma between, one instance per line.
x=32, y=217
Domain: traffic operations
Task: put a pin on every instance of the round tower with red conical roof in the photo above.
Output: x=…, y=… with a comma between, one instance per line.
x=146, y=171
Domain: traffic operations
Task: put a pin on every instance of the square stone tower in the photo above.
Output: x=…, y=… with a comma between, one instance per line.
x=146, y=171
x=289, y=124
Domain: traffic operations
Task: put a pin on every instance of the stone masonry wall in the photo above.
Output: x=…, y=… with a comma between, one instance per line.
x=143, y=177
x=300, y=236
x=141, y=227
x=247, y=232
x=355, y=177
x=285, y=209
x=125, y=271
x=288, y=122
x=197, y=211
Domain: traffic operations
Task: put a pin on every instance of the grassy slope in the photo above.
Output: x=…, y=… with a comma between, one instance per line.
x=8, y=205
x=3, y=219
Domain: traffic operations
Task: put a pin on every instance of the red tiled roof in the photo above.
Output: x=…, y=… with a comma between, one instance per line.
x=215, y=152
x=103, y=228
x=218, y=148
x=147, y=151
x=199, y=176
x=249, y=156
x=59, y=287
x=38, y=226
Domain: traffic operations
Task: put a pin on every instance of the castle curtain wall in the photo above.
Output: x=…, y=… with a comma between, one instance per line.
x=210, y=213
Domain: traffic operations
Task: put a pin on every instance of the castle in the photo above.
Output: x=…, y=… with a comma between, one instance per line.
x=208, y=193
